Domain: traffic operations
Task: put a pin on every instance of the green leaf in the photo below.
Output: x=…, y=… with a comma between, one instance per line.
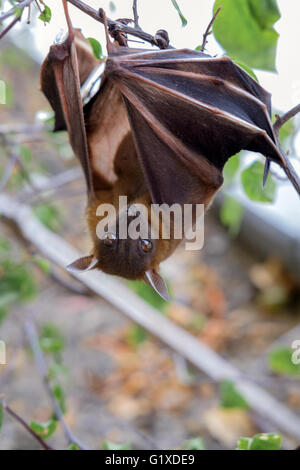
x=246, y=68
x=108, y=445
x=231, y=168
x=280, y=361
x=4, y=245
x=25, y=153
x=183, y=19
x=97, y=48
x=51, y=340
x=244, y=28
x=46, y=14
x=252, y=179
x=45, y=430
x=73, y=446
x=244, y=443
x=196, y=443
x=42, y=263
x=264, y=441
x=60, y=397
x=231, y=215
x=16, y=283
x=230, y=397
x=49, y=216
x=148, y=294
x=3, y=313
x=112, y=7
x=136, y=335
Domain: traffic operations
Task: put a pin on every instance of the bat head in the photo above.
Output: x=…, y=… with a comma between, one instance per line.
x=132, y=257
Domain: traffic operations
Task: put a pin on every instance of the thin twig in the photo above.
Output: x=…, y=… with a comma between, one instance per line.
x=289, y=170
x=32, y=336
x=114, y=25
x=135, y=14
x=26, y=426
x=208, y=29
x=19, y=9
x=281, y=120
x=10, y=26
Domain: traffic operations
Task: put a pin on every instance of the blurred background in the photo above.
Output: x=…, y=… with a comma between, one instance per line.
x=117, y=384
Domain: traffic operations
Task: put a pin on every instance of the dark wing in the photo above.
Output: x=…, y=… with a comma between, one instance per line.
x=189, y=113
x=60, y=82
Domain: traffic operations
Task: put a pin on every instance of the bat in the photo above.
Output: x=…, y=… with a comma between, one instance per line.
x=159, y=130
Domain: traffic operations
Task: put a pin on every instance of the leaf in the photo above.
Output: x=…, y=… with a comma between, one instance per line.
x=136, y=335
x=3, y=313
x=244, y=28
x=46, y=14
x=196, y=443
x=17, y=283
x=231, y=168
x=280, y=362
x=49, y=216
x=25, y=153
x=4, y=245
x=148, y=294
x=108, y=445
x=51, y=340
x=60, y=397
x=252, y=179
x=112, y=7
x=183, y=19
x=230, y=397
x=42, y=263
x=264, y=441
x=45, y=430
x=231, y=215
x=246, y=68
x=73, y=446
x=97, y=48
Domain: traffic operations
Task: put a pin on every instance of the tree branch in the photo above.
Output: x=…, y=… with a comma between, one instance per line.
x=32, y=336
x=26, y=426
x=115, y=25
x=289, y=170
x=208, y=29
x=281, y=120
x=135, y=15
x=17, y=9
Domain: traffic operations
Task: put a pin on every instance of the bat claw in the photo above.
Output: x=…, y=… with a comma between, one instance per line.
x=266, y=171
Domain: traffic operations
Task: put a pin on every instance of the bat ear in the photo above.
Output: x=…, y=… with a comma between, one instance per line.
x=154, y=280
x=82, y=265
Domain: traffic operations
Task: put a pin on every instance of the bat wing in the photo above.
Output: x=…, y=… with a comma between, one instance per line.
x=189, y=113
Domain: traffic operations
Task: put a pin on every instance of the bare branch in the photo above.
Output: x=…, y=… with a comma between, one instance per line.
x=135, y=15
x=281, y=120
x=289, y=170
x=26, y=426
x=208, y=30
x=16, y=10
x=43, y=371
x=114, y=25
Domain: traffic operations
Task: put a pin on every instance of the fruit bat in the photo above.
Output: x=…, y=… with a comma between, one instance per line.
x=159, y=130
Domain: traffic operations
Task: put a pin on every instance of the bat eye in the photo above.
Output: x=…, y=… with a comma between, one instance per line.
x=146, y=245
x=109, y=239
